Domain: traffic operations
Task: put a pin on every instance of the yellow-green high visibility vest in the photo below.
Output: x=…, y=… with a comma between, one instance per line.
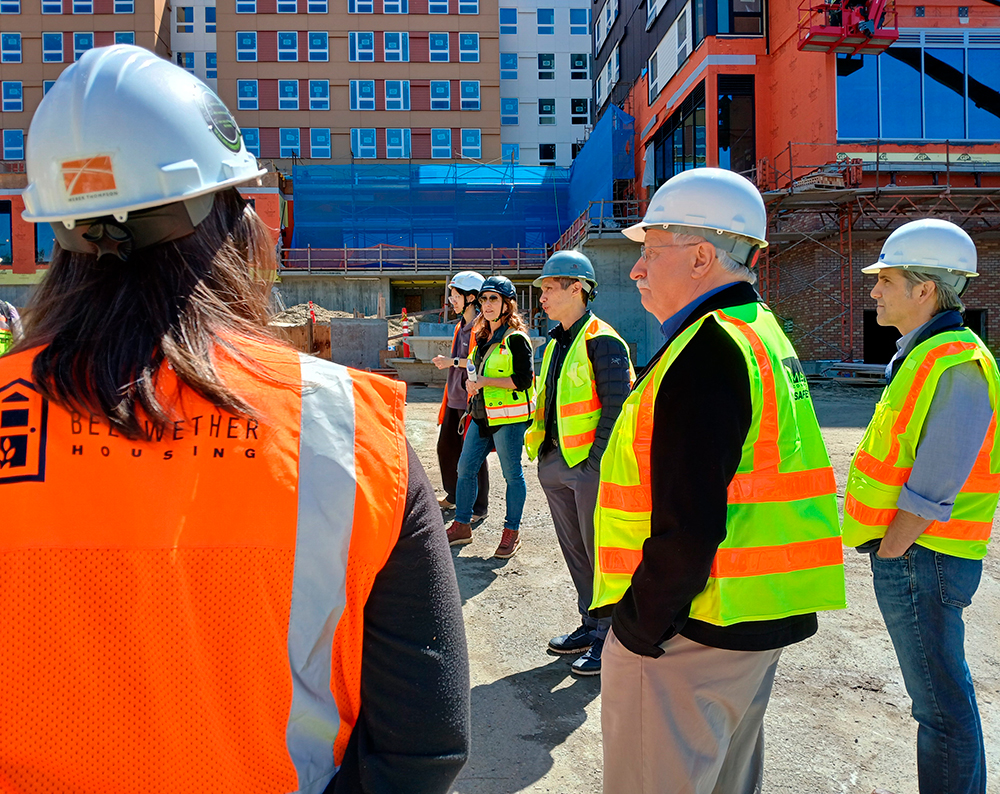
x=503, y=406
x=782, y=554
x=6, y=340
x=884, y=459
x=579, y=409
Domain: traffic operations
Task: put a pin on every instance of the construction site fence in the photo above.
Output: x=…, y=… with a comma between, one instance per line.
x=395, y=259
x=602, y=219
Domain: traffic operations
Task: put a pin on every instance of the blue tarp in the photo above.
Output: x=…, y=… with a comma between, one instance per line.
x=607, y=156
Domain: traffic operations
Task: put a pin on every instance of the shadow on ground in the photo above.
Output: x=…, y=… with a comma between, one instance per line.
x=475, y=574
x=423, y=394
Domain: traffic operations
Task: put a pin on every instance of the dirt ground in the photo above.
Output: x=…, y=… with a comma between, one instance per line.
x=839, y=717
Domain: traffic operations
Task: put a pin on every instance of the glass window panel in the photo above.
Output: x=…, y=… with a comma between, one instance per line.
x=251, y=136
x=125, y=37
x=441, y=143
x=944, y=93
x=210, y=19
x=508, y=20
x=984, y=94
x=288, y=141
x=899, y=79
x=857, y=105
x=546, y=21
x=319, y=94
x=578, y=22
x=511, y=153
x=52, y=47
x=508, y=111
x=508, y=65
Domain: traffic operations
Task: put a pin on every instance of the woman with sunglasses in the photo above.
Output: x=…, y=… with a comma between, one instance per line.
x=502, y=401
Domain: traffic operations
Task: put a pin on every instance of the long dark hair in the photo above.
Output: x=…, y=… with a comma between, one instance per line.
x=108, y=326
x=508, y=314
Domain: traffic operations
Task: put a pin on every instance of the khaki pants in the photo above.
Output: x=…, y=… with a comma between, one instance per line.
x=689, y=722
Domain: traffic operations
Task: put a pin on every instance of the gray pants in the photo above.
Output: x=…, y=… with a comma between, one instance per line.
x=572, y=496
x=689, y=722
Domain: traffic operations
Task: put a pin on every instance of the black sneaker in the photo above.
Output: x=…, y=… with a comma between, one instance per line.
x=590, y=662
x=575, y=642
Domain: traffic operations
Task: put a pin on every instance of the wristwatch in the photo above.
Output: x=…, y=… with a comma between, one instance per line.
x=454, y=361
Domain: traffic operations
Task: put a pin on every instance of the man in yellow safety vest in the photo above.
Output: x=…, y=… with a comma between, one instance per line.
x=923, y=488
x=716, y=525
x=586, y=376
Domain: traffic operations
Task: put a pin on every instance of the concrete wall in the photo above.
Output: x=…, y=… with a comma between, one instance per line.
x=335, y=293
x=16, y=294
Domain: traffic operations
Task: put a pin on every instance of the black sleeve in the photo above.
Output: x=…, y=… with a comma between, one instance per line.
x=700, y=421
x=609, y=360
x=413, y=731
x=520, y=352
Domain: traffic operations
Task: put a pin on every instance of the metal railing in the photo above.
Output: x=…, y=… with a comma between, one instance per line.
x=602, y=219
x=395, y=259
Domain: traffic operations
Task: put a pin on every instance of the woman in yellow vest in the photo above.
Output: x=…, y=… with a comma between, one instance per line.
x=502, y=400
x=222, y=568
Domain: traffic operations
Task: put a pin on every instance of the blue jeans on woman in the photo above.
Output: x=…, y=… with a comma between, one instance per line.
x=508, y=440
x=921, y=596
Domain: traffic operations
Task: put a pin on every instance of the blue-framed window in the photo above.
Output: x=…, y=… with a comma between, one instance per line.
x=468, y=47
x=288, y=45
x=579, y=66
x=287, y=6
x=508, y=111
x=362, y=95
x=319, y=46
x=546, y=111
x=13, y=144
x=83, y=6
x=508, y=65
x=251, y=137
x=397, y=46
x=10, y=47
x=319, y=142
x=210, y=19
x=317, y=7
x=468, y=6
x=397, y=94
x=397, y=144
x=54, y=7
x=12, y=96
x=441, y=143
x=546, y=21
x=362, y=45
x=122, y=7
x=361, y=7
x=363, y=142
x=440, y=95
x=47, y=85
x=185, y=19
x=546, y=66
x=288, y=95
x=288, y=142
x=438, y=44
x=395, y=7
x=510, y=153
x=246, y=95
x=83, y=42
x=52, y=48
x=246, y=45
x=10, y=6
x=470, y=94
x=185, y=60
x=211, y=65
x=319, y=94
x=508, y=21
x=246, y=6
x=437, y=6
x=472, y=144
x=579, y=21
x=125, y=37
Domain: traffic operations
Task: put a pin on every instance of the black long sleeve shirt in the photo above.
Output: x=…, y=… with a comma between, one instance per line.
x=701, y=418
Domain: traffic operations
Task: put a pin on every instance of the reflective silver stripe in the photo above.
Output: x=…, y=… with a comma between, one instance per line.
x=323, y=535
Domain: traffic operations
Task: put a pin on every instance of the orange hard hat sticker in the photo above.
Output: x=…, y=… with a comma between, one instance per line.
x=91, y=175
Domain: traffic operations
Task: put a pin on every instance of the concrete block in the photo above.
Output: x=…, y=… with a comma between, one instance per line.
x=356, y=343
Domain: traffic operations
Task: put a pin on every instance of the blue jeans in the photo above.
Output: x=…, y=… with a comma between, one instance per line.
x=508, y=440
x=921, y=596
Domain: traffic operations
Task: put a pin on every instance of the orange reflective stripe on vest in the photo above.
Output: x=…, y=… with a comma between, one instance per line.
x=788, y=557
x=956, y=529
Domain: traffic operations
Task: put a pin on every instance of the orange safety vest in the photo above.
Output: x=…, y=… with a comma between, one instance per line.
x=186, y=612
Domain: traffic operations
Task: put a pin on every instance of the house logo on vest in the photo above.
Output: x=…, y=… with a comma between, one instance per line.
x=23, y=429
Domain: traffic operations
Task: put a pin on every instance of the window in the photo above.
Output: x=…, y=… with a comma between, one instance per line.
x=741, y=17
x=510, y=153
x=246, y=45
x=362, y=45
x=363, y=142
x=608, y=77
x=361, y=7
x=185, y=60
x=437, y=7
x=546, y=21
x=251, y=137
x=319, y=142
x=11, y=93
x=605, y=19
x=13, y=144
x=580, y=110
x=121, y=37
x=288, y=45
x=210, y=19
x=670, y=54
x=546, y=111
x=736, y=122
x=579, y=21
x=55, y=7
x=679, y=143
x=441, y=143
x=288, y=95
x=546, y=154
x=508, y=21
x=185, y=19
x=319, y=45
x=397, y=144
x=508, y=111
x=397, y=94
x=319, y=94
x=395, y=7
x=83, y=42
x=287, y=6
x=124, y=7
x=246, y=6
x=472, y=145
x=211, y=66
x=653, y=9
x=46, y=85
x=546, y=66
x=288, y=142
x=576, y=149
x=438, y=43
x=246, y=95
x=10, y=48
x=317, y=7
x=397, y=46
x=440, y=95
x=52, y=48
x=508, y=65
x=10, y=6
x=468, y=6
x=579, y=66
x=45, y=240
x=468, y=47
x=470, y=94
x=362, y=95
x=83, y=6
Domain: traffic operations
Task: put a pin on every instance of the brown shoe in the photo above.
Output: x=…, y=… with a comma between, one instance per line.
x=509, y=544
x=459, y=534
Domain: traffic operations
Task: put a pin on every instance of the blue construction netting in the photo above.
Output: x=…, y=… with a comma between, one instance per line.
x=608, y=155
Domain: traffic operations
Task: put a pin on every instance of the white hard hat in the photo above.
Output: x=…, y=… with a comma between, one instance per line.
x=123, y=130
x=930, y=244
x=467, y=281
x=715, y=203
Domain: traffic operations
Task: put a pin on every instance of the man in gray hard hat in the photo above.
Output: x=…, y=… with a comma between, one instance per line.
x=586, y=376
